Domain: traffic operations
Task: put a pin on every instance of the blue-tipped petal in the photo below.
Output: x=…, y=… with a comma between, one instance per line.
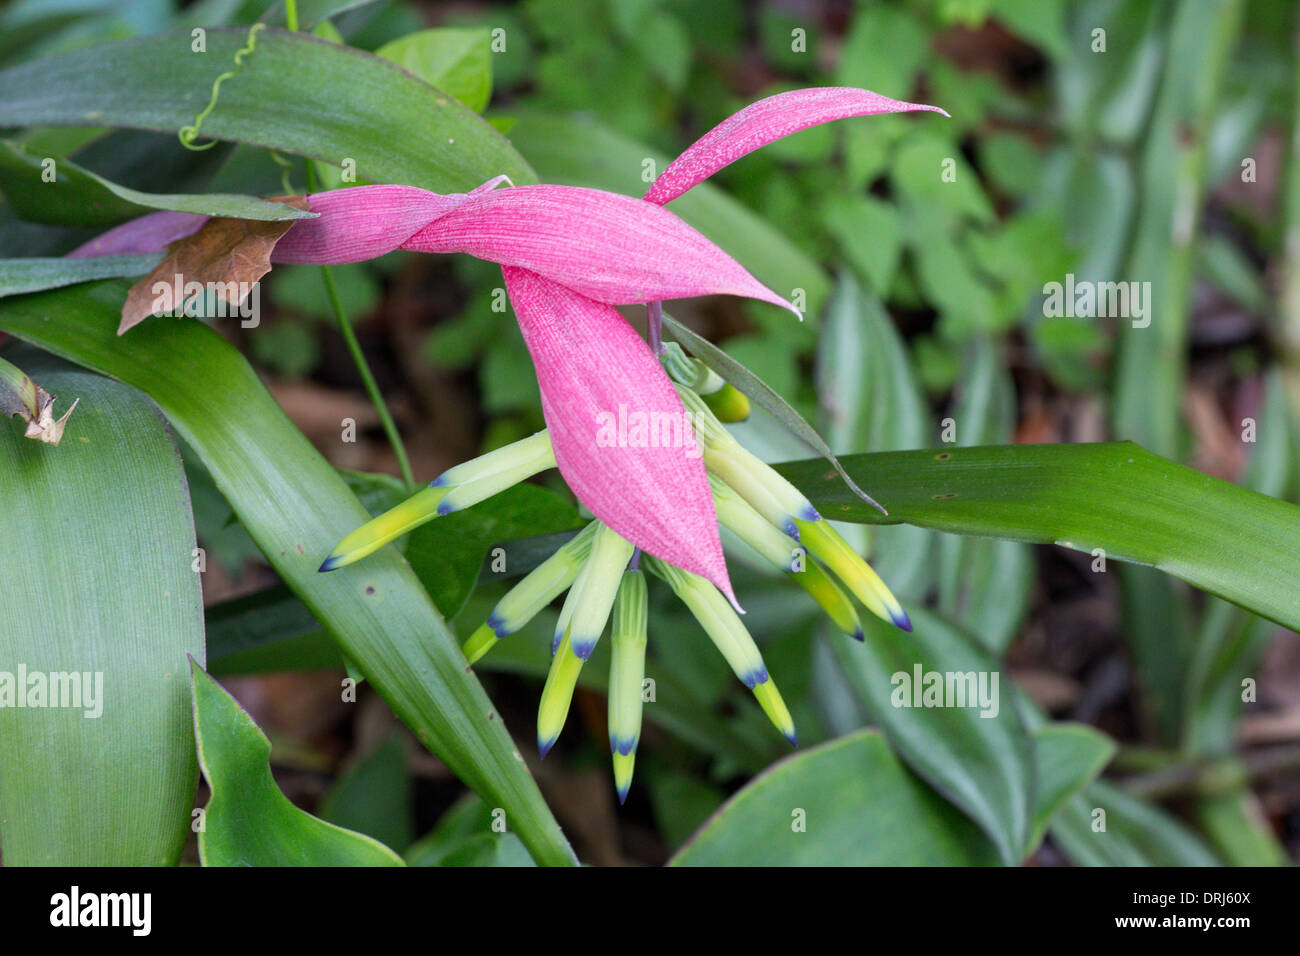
x=901, y=620
x=330, y=563
x=544, y=746
x=499, y=627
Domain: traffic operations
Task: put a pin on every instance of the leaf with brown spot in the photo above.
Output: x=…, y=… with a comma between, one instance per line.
x=19, y=395
x=226, y=255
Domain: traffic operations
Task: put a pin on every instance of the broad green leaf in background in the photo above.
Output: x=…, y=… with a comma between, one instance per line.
x=37, y=274
x=849, y=802
x=296, y=507
x=883, y=50
x=469, y=834
x=1151, y=366
x=870, y=236
x=96, y=545
x=681, y=801
x=455, y=60
x=1236, y=825
x=576, y=153
x=78, y=197
x=295, y=93
x=375, y=797
x=1136, y=506
x=974, y=750
x=1136, y=833
x=1068, y=758
x=248, y=821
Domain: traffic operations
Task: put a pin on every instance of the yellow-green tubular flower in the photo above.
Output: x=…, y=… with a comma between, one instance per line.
x=771, y=495
x=825, y=543
x=741, y=518
x=626, y=674
x=557, y=695
x=601, y=575
x=571, y=601
x=727, y=402
x=729, y=635
x=466, y=484
x=538, y=588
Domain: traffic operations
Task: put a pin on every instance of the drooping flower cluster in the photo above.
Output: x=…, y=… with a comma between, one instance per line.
x=568, y=256
x=601, y=571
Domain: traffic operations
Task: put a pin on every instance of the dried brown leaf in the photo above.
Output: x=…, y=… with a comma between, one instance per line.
x=226, y=256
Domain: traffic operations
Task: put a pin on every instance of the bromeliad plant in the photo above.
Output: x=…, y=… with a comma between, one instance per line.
x=569, y=255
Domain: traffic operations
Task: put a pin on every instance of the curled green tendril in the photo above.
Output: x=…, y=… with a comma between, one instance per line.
x=188, y=134
x=286, y=167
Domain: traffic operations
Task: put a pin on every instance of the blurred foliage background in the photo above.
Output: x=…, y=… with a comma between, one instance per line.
x=1110, y=140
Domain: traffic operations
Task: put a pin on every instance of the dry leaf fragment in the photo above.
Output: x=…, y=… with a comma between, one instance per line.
x=225, y=257
x=19, y=395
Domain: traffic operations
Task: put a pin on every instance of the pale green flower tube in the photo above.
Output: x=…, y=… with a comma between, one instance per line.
x=723, y=625
x=538, y=588
x=459, y=487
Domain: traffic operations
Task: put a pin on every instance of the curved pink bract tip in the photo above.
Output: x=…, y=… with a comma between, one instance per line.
x=595, y=371
x=760, y=123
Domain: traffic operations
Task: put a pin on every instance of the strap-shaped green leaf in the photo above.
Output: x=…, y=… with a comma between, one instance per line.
x=101, y=605
x=38, y=274
x=78, y=197
x=294, y=93
x=1131, y=504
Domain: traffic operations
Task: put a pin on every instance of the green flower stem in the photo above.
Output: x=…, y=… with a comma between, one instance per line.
x=359, y=359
